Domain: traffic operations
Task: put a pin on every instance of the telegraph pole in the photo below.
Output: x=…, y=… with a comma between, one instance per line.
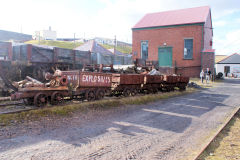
x=115, y=43
x=74, y=41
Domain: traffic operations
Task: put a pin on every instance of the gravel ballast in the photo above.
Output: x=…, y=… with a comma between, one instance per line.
x=168, y=129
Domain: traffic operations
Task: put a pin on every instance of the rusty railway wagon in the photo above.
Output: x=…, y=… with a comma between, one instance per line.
x=94, y=86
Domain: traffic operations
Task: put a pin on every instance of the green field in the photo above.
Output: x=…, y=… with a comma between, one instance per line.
x=61, y=44
x=71, y=45
x=126, y=49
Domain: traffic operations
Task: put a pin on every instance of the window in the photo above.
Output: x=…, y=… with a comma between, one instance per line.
x=188, y=48
x=144, y=50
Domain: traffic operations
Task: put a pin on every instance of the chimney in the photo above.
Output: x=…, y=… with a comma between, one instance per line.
x=50, y=28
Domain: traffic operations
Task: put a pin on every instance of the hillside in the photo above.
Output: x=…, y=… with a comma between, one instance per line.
x=70, y=45
x=123, y=49
x=61, y=44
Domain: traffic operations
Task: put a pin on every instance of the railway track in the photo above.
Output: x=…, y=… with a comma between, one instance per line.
x=18, y=107
x=14, y=107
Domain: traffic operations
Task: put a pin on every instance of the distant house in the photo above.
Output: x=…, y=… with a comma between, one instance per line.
x=179, y=40
x=14, y=36
x=229, y=66
x=108, y=41
x=45, y=35
x=99, y=54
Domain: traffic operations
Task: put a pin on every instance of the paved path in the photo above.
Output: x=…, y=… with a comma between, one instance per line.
x=168, y=129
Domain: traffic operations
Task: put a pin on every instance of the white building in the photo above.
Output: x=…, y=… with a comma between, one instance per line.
x=45, y=35
x=229, y=66
x=104, y=41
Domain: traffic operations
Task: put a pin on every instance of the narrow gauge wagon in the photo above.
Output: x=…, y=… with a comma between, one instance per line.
x=126, y=84
x=71, y=84
x=93, y=85
x=153, y=83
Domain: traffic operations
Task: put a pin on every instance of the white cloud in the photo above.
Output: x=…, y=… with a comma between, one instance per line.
x=112, y=17
x=220, y=23
x=228, y=44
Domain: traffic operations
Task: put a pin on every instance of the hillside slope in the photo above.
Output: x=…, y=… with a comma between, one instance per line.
x=71, y=45
x=61, y=44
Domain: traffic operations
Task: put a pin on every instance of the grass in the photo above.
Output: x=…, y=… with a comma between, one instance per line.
x=204, y=84
x=60, y=44
x=71, y=45
x=123, y=49
x=68, y=110
x=226, y=146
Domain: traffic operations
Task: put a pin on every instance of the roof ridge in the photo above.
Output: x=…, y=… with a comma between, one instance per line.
x=228, y=57
x=194, y=15
x=178, y=10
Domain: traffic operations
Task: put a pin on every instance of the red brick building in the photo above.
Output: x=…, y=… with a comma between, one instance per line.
x=180, y=40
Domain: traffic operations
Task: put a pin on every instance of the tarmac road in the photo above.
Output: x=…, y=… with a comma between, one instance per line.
x=168, y=129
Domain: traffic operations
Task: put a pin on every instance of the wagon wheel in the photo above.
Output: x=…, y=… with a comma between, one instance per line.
x=149, y=90
x=90, y=96
x=57, y=98
x=155, y=90
x=134, y=92
x=126, y=92
x=182, y=88
x=28, y=101
x=40, y=100
x=100, y=94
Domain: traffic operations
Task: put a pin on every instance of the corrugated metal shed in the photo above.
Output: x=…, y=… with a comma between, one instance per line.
x=93, y=47
x=121, y=58
x=99, y=54
x=175, y=17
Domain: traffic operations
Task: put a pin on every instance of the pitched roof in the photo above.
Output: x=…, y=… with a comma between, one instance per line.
x=93, y=47
x=232, y=59
x=175, y=17
x=218, y=58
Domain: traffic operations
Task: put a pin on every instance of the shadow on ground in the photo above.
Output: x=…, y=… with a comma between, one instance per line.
x=172, y=115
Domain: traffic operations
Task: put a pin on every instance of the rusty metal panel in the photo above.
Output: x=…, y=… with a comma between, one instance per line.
x=72, y=77
x=64, y=55
x=171, y=79
x=116, y=78
x=20, y=52
x=184, y=79
x=82, y=57
x=154, y=78
x=131, y=79
x=5, y=49
x=91, y=79
x=88, y=79
x=43, y=54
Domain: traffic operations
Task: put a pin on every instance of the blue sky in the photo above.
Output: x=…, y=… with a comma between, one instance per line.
x=106, y=18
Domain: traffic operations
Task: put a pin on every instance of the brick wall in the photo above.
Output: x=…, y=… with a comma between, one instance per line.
x=174, y=37
x=166, y=70
x=208, y=33
x=208, y=61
